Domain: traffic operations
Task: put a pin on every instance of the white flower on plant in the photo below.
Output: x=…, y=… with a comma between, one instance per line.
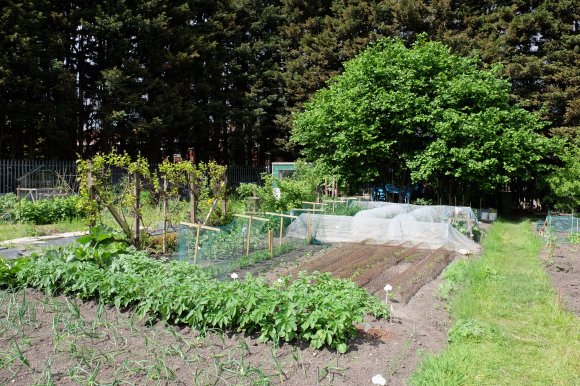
x=234, y=276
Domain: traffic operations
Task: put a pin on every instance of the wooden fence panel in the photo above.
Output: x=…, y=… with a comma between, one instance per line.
x=245, y=174
x=13, y=170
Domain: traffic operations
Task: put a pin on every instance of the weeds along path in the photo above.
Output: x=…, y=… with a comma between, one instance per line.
x=508, y=327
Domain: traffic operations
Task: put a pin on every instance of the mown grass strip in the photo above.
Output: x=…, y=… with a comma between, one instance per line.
x=508, y=328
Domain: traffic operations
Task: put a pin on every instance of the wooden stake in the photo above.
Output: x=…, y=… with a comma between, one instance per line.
x=92, y=195
x=188, y=224
x=164, y=215
x=281, y=228
x=333, y=194
x=271, y=242
x=196, y=243
x=308, y=228
x=137, y=193
x=192, y=214
x=20, y=205
x=249, y=235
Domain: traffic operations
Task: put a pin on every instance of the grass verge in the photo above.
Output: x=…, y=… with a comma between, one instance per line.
x=14, y=231
x=508, y=328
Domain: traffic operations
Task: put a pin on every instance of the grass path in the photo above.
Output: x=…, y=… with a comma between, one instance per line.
x=14, y=231
x=508, y=329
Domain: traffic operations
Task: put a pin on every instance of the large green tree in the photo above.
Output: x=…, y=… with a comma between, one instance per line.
x=224, y=76
x=425, y=113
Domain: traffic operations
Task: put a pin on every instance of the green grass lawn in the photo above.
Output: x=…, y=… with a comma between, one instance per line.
x=508, y=329
x=14, y=231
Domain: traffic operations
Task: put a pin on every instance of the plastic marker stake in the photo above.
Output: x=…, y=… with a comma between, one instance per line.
x=379, y=380
x=387, y=289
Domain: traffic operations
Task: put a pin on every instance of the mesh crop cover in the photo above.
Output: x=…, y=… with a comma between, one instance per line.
x=422, y=226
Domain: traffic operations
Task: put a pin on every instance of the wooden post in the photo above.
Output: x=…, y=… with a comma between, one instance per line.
x=333, y=194
x=19, y=205
x=192, y=214
x=90, y=186
x=199, y=227
x=224, y=197
x=281, y=228
x=137, y=193
x=165, y=186
x=196, y=243
x=271, y=242
x=281, y=215
x=308, y=229
x=249, y=236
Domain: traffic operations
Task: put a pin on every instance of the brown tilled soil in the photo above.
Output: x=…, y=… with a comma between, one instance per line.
x=563, y=266
x=374, y=266
x=47, y=339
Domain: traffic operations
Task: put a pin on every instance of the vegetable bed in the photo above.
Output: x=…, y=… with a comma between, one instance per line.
x=316, y=308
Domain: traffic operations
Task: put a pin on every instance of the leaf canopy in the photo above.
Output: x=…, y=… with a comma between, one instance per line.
x=424, y=112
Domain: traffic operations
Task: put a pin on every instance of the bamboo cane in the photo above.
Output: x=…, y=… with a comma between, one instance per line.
x=196, y=244
x=249, y=235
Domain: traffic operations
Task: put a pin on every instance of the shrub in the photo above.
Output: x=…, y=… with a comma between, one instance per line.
x=51, y=210
x=8, y=207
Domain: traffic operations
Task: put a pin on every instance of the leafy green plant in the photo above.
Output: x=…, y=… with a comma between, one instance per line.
x=8, y=207
x=51, y=210
x=565, y=180
x=453, y=277
x=573, y=238
x=9, y=269
x=423, y=201
x=301, y=186
x=343, y=210
x=471, y=329
x=316, y=308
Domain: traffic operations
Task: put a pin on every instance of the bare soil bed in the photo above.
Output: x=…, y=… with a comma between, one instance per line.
x=46, y=339
x=563, y=266
x=406, y=269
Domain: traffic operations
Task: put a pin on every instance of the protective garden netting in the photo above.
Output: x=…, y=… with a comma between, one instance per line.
x=560, y=229
x=564, y=223
x=236, y=246
x=423, y=213
x=426, y=227
x=239, y=245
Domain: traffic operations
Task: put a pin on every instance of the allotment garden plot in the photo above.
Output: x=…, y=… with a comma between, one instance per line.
x=405, y=246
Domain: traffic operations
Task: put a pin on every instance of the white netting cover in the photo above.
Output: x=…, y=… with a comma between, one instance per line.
x=428, y=213
x=401, y=229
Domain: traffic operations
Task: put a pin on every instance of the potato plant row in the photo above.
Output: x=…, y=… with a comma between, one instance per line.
x=316, y=308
